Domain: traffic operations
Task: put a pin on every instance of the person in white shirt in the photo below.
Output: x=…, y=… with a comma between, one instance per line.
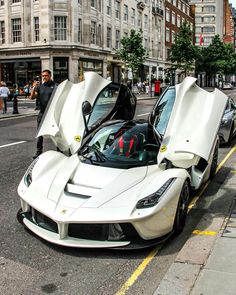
x=4, y=92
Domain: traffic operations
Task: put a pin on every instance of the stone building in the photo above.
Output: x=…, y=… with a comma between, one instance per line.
x=73, y=36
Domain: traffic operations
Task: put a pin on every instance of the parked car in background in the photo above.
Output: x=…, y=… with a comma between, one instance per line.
x=227, y=86
x=228, y=124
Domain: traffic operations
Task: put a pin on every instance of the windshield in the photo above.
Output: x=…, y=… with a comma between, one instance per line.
x=122, y=145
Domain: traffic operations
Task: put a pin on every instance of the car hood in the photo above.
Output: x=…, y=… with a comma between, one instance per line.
x=67, y=182
x=63, y=120
x=193, y=124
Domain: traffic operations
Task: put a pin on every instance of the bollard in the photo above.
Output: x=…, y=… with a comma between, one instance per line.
x=15, y=105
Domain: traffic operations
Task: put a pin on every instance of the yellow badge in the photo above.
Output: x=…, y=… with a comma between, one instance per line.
x=163, y=148
x=77, y=138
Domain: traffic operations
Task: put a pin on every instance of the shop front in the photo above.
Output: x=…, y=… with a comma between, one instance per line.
x=20, y=71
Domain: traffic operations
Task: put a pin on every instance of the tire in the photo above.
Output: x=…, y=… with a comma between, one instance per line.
x=182, y=209
x=214, y=162
x=231, y=134
x=19, y=216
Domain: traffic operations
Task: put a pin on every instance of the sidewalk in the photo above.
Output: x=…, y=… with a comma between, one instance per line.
x=206, y=265
x=28, y=110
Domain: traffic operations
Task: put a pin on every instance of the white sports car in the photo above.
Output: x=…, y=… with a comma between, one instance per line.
x=117, y=182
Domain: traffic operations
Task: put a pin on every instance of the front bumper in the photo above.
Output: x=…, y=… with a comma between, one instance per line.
x=79, y=235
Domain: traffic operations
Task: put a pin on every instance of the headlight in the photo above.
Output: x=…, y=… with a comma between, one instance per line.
x=28, y=174
x=153, y=199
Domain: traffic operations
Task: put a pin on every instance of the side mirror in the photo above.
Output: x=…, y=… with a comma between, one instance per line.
x=86, y=108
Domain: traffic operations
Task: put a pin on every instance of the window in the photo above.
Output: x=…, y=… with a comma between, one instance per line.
x=117, y=39
x=173, y=37
x=179, y=5
x=79, y=30
x=93, y=32
x=173, y=18
x=167, y=34
x=126, y=13
x=16, y=1
x=16, y=30
x=108, y=7
x=209, y=8
x=117, y=9
x=60, y=27
x=108, y=37
x=1, y=2
x=145, y=21
x=94, y=3
x=146, y=44
x=164, y=110
x=99, y=35
x=208, y=29
x=178, y=21
x=2, y=32
x=167, y=15
x=36, y=28
x=132, y=16
x=139, y=19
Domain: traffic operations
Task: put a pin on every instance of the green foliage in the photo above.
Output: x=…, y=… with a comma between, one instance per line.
x=183, y=53
x=132, y=51
x=217, y=58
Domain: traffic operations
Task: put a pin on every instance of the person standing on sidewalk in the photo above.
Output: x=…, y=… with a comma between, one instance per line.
x=43, y=93
x=4, y=92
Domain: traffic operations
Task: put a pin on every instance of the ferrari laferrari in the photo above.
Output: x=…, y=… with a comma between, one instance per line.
x=113, y=181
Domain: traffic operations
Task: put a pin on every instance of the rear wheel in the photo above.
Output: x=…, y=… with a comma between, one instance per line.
x=214, y=162
x=182, y=209
x=231, y=134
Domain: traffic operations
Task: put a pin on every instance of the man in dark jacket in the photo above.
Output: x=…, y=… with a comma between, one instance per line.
x=43, y=93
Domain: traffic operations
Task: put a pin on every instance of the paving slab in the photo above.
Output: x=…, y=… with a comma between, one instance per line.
x=179, y=279
x=214, y=283
x=198, y=247
x=223, y=256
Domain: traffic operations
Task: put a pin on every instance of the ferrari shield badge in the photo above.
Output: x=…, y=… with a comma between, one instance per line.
x=77, y=138
x=163, y=148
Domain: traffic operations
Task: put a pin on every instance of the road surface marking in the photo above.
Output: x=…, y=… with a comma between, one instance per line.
x=131, y=280
x=10, y=144
x=204, y=232
x=139, y=270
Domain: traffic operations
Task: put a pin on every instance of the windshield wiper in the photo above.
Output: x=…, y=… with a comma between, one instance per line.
x=100, y=157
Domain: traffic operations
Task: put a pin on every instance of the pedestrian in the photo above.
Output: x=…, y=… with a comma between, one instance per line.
x=4, y=92
x=43, y=92
x=33, y=92
x=26, y=90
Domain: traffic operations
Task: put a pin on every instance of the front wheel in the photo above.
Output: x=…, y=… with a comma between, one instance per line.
x=182, y=209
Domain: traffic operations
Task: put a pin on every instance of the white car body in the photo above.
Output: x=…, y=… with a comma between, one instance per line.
x=66, y=195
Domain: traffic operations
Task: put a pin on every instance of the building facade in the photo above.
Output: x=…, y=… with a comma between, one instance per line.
x=176, y=13
x=209, y=20
x=70, y=37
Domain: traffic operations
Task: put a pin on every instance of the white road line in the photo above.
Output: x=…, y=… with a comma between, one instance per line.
x=14, y=143
x=143, y=114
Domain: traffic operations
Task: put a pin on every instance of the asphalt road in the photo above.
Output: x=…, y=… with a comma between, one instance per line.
x=29, y=266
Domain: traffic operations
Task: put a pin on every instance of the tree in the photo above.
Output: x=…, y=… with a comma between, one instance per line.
x=132, y=51
x=216, y=59
x=183, y=53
